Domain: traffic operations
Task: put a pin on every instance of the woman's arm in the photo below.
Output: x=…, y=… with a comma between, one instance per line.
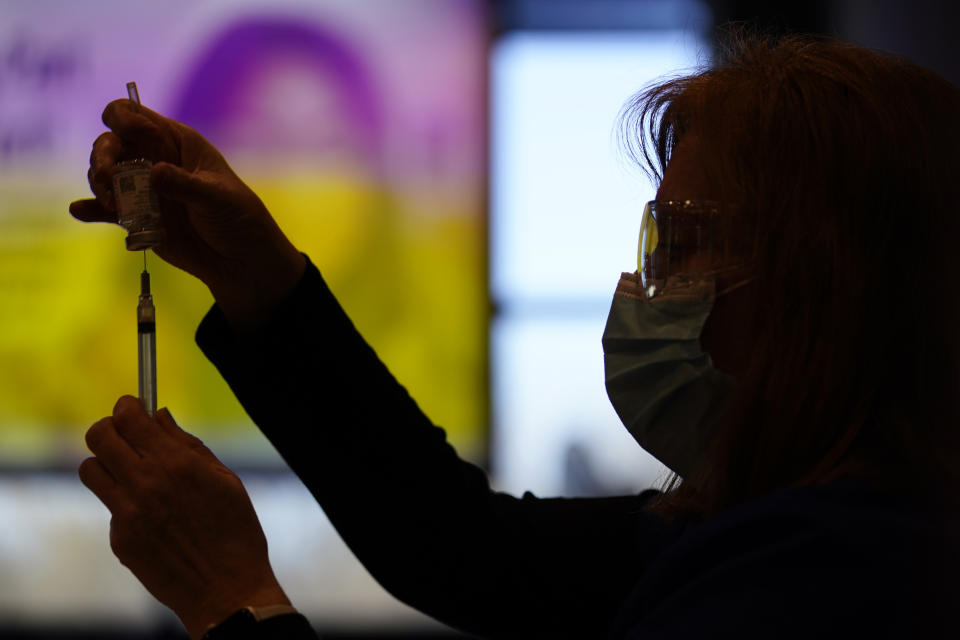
x=425, y=523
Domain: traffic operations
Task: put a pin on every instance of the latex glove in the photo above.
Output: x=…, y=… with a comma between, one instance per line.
x=182, y=521
x=216, y=227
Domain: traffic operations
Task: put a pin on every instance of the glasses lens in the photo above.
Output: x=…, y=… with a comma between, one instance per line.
x=647, y=250
x=685, y=242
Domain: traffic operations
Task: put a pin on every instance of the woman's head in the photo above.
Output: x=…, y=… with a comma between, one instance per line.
x=843, y=161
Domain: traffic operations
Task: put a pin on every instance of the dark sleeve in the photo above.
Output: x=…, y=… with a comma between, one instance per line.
x=425, y=523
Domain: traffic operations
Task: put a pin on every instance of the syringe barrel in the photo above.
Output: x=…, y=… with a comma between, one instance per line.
x=147, y=365
x=147, y=346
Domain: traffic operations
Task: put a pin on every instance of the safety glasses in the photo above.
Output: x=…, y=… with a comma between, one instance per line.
x=683, y=243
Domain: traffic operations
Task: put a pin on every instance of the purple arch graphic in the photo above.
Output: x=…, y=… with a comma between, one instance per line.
x=212, y=87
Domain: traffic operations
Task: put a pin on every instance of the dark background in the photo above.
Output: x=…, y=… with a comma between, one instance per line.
x=921, y=30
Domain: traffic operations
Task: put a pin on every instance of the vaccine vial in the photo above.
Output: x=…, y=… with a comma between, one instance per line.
x=138, y=208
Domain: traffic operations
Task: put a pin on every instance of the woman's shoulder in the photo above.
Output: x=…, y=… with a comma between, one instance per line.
x=845, y=555
x=849, y=526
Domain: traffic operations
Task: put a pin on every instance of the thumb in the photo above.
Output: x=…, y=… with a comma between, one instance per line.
x=90, y=210
x=186, y=187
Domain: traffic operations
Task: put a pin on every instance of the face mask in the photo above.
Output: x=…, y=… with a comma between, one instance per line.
x=661, y=383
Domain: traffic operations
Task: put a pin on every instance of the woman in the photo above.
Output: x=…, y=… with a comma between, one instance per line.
x=817, y=490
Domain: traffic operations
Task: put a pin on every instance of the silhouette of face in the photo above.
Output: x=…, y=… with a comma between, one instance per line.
x=727, y=333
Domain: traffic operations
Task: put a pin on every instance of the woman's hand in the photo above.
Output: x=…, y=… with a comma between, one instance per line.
x=182, y=521
x=216, y=227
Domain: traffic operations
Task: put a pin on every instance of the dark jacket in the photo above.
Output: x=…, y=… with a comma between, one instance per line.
x=831, y=561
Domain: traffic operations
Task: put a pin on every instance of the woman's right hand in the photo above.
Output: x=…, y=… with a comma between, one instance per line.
x=216, y=228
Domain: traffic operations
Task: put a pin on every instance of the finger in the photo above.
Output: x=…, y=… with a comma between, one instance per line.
x=167, y=423
x=90, y=210
x=186, y=187
x=122, y=107
x=171, y=428
x=142, y=129
x=107, y=150
x=134, y=425
x=114, y=453
x=95, y=477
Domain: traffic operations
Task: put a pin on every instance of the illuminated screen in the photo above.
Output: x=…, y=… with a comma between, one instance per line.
x=359, y=124
x=565, y=219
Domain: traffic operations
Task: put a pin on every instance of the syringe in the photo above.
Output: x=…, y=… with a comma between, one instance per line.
x=146, y=314
x=147, y=346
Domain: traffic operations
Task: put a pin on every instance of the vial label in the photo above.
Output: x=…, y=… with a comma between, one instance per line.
x=138, y=208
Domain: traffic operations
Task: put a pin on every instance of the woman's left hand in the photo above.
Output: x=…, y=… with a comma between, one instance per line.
x=182, y=521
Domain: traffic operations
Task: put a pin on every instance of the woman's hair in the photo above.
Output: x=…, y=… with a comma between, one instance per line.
x=845, y=160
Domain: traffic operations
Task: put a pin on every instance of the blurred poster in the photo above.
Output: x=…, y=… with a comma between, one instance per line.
x=361, y=126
